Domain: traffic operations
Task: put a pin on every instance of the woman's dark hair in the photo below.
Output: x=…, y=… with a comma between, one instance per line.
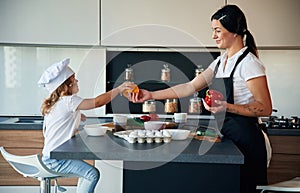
x=234, y=20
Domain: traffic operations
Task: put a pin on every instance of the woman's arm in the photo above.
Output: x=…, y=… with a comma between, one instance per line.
x=178, y=91
x=262, y=105
x=104, y=98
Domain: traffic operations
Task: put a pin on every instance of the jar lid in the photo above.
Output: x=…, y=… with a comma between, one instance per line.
x=171, y=100
x=165, y=70
x=199, y=68
x=128, y=69
x=149, y=101
x=196, y=99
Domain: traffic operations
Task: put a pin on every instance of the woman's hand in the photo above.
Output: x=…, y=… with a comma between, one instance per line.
x=222, y=105
x=140, y=97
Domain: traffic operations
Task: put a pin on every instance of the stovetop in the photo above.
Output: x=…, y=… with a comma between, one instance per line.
x=283, y=122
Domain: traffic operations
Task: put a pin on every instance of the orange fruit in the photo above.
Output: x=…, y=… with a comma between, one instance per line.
x=135, y=89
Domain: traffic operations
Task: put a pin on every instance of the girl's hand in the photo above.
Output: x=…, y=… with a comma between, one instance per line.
x=126, y=86
x=83, y=117
x=215, y=109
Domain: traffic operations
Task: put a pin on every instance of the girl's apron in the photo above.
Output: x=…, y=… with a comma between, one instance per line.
x=244, y=132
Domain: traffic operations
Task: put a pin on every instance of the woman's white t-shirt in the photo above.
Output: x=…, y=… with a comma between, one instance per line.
x=250, y=67
x=61, y=123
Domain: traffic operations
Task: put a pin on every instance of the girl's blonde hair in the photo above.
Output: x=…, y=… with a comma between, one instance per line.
x=63, y=90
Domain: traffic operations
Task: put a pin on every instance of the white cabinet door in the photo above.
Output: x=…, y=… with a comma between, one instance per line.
x=157, y=22
x=67, y=22
x=272, y=22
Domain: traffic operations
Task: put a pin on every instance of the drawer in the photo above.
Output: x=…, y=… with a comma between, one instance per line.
x=285, y=144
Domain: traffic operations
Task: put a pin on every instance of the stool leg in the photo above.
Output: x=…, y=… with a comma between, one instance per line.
x=45, y=185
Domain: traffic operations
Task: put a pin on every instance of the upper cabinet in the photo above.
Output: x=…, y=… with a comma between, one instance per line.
x=272, y=23
x=155, y=23
x=67, y=22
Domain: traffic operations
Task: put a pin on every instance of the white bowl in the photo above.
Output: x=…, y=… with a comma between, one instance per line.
x=95, y=129
x=179, y=134
x=154, y=125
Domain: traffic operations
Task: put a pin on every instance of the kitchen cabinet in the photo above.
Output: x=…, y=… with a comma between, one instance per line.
x=68, y=22
x=272, y=23
x=285, y=160
x=157, y=23
x=23, y=142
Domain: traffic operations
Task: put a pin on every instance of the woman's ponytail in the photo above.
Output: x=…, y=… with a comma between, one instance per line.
x=250, y=43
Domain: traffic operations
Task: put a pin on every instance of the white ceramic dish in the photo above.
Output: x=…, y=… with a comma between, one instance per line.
x=179, y=134
x=154, y=125
x=95, y=129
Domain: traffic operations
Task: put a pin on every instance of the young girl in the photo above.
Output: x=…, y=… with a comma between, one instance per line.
x=62, y=116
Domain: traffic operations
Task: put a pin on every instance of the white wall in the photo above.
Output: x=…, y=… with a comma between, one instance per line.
x=21, y=68
x=283, y=70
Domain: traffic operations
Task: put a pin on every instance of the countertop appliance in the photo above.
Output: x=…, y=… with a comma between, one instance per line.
x=274, y=122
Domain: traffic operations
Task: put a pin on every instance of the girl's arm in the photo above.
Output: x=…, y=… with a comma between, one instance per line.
x=104, y=98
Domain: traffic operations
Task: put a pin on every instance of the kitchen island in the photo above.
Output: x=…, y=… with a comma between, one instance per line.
x=179, y=166
x=23, y=135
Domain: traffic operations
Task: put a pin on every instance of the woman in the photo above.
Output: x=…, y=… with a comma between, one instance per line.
x=62, y=116
x=240, y=75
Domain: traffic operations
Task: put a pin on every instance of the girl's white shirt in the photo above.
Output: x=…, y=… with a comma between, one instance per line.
x=250, y=67
x=61, y=123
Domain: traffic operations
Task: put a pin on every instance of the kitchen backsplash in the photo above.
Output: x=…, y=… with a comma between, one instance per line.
x=21, y=67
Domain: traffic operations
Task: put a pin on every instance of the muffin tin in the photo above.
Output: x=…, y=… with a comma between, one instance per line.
x=145, y=136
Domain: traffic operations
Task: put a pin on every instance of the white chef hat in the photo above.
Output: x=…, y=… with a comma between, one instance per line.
x=55, y=75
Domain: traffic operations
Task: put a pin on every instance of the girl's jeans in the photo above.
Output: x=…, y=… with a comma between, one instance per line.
x=88, y=175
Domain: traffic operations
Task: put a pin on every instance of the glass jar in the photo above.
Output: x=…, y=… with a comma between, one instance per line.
x=149, y=106
x=129, y=73
x=195, y=106
x=165, y=74
x=171, y=105
x=199, y=70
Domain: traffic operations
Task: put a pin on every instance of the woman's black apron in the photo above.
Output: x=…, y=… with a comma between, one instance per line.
x=244, y=132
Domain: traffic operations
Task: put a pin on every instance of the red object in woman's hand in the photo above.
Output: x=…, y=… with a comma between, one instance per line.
x=211, y=96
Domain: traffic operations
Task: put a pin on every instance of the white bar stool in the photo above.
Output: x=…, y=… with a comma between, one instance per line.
x=32, y=166
x=292, y=185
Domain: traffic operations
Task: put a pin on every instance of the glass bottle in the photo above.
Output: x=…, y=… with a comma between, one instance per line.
x=165, y=74
x=195, y=106
x=199, y=70
x=171, y=105
x=129, y=73
x=149, y=106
